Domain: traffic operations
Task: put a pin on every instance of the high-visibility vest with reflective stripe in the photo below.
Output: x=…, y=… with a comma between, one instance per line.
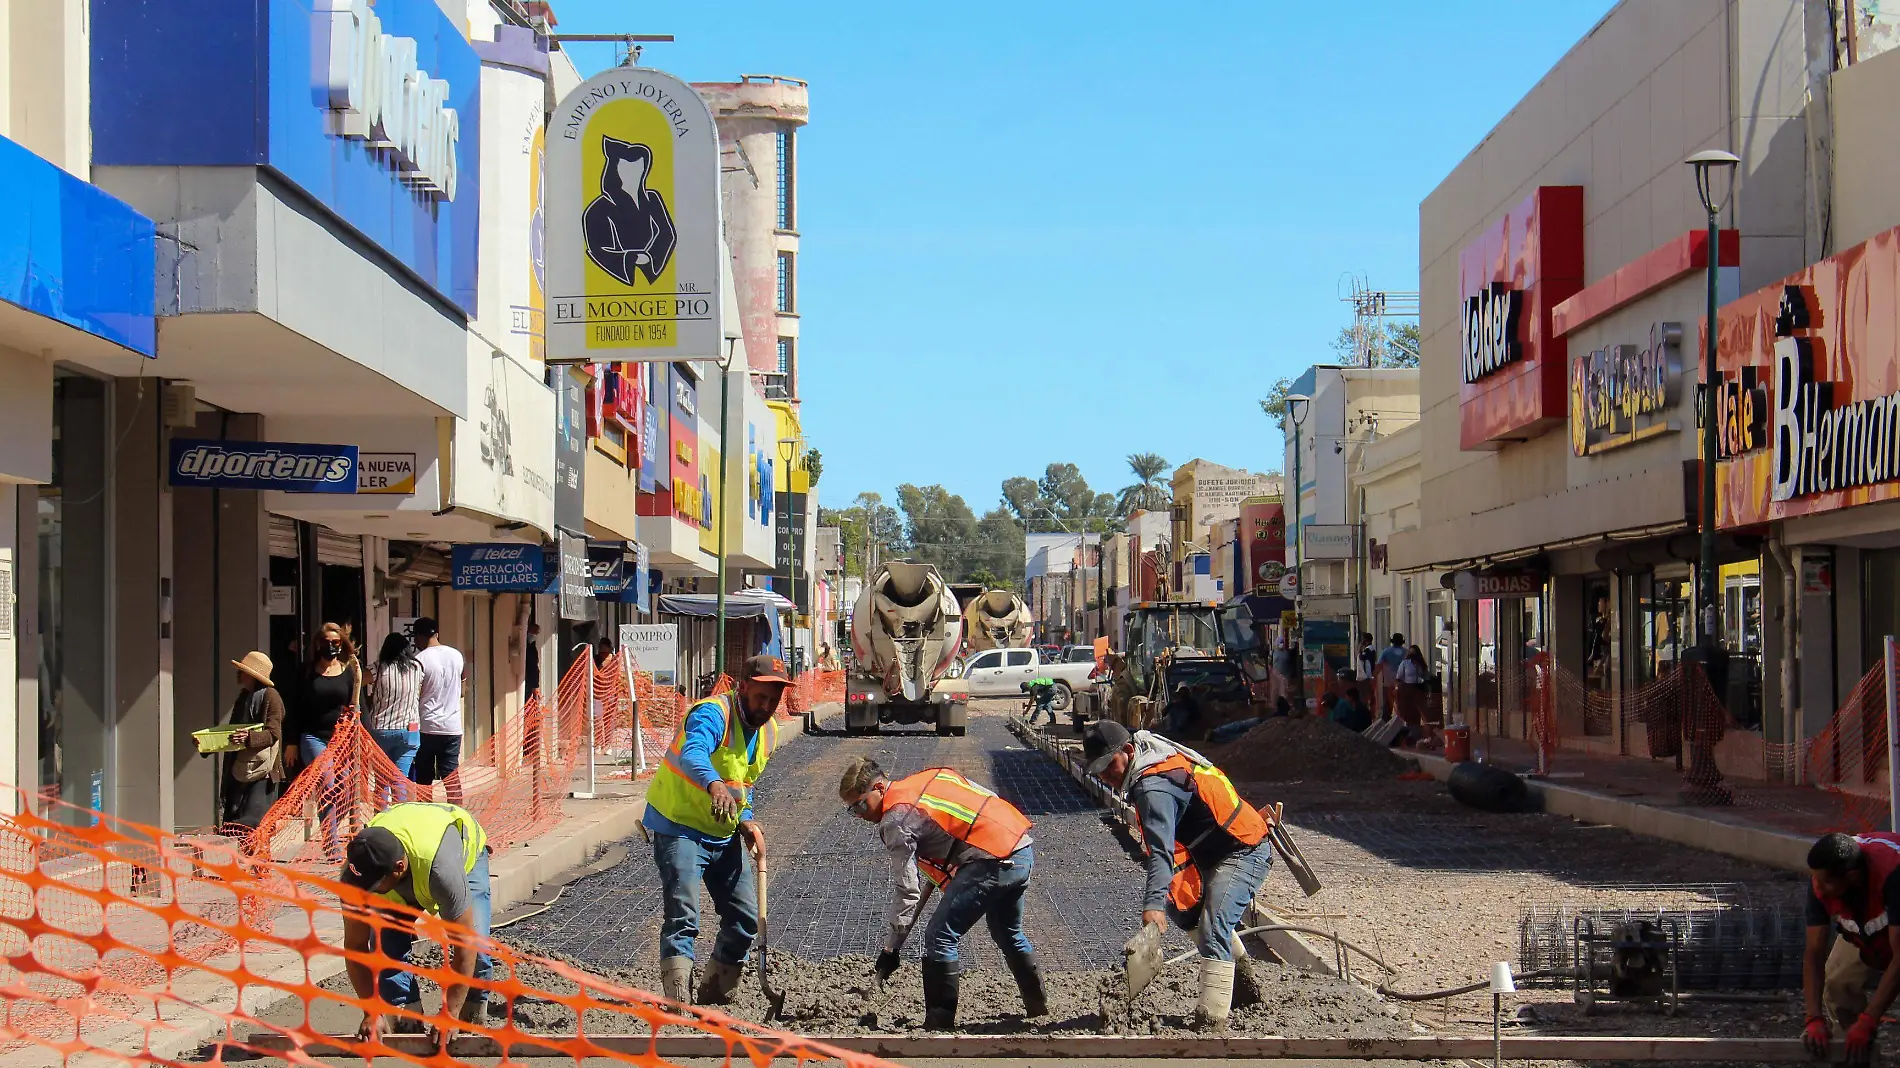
x=674, y=793
x=967, y=812
x=419, y=826
x=1232, y=816
x=1864, y=923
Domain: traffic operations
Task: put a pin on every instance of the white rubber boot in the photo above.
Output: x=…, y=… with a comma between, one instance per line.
x=676, y=979
x=1217, y=995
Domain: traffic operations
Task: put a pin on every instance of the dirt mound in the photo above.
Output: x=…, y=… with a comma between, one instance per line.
x=1286, y=749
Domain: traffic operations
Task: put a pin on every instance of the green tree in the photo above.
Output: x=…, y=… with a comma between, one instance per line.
x=867, y=522
x=814, y=464
x=940, y=527
x=1388, y=344
x=1149, y=492
x=1274, y=403
x=1061, y=500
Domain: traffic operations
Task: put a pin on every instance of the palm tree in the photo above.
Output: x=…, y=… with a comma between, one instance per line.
x=1149, y=493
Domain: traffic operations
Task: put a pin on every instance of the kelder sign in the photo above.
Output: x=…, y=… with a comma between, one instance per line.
x=633, y=223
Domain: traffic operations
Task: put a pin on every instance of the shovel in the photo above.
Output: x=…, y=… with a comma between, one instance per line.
x=1141, y=959
x=1290, y=852
x=775, y=999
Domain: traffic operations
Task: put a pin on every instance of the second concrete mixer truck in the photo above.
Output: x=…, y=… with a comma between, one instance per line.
x=905, y=634
x=996, y=619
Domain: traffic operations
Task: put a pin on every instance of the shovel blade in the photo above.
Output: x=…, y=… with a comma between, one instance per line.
x=1141, y=959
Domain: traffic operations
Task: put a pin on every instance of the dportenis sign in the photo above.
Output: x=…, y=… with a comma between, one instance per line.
x=293, y=467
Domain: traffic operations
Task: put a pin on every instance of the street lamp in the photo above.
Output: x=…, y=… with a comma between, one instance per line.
x=1297, y=405
x=1714, y=184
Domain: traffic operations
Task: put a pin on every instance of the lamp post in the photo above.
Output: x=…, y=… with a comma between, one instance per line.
x=1715, y=184
x=720, y=513
x=1297, y=405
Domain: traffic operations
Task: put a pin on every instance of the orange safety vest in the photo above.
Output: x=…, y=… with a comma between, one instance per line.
x=1233, y=816
x=967, y=812
x=1863, y=924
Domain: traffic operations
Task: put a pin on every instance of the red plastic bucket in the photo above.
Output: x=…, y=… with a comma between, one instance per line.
x=1457, y=742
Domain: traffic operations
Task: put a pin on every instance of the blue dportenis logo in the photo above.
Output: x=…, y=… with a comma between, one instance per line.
x=209, y=461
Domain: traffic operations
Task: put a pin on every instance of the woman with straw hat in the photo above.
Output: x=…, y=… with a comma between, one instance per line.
x=252, y=771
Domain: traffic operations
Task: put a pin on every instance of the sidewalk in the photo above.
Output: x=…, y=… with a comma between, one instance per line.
x=587, y=827
x=1769, y=823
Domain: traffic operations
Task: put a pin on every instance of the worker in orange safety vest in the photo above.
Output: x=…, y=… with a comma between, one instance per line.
x=973, y=845
x=1853, y=888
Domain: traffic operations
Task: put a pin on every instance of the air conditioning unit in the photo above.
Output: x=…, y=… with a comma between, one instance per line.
x=180, y=405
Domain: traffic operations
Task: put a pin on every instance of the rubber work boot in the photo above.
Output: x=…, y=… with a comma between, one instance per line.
x=940, y=994
x=1248, y=990
x=1029, y=982
x=1217, y=995
x=719, y=983
x=676, y=979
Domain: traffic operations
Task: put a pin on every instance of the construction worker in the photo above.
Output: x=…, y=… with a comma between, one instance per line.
x=1042, y=690
x=1207, y=851
x=1853, y=889
x=967, y=841
x=699, y=814
x=433, y=858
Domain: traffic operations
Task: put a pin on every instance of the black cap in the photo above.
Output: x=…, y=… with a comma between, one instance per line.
x=423, y=629
x=371, y=856
x=1103, y=739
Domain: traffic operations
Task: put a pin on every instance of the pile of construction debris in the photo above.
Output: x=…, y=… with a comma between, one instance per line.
x=1288, y=749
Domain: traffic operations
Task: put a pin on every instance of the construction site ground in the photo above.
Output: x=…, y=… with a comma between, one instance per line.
x=1432, y=887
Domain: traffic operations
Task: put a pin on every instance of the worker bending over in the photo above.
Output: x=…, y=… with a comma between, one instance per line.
x=433, y=858
x=972, y=844
x=1041, y=690
x=1852, y=888
x=699, y=812
x=1207, y=851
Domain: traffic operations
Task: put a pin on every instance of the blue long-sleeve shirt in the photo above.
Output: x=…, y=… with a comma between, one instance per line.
x=705, y=729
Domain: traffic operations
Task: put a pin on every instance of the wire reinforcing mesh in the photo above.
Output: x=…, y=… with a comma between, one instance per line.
x=1734, y=937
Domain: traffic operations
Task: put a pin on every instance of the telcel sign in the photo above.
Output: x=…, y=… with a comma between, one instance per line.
x=380, y=96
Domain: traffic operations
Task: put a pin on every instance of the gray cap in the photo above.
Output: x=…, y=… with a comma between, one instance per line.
x=1103, y=739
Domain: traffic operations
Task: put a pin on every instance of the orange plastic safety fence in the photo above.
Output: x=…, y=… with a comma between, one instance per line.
x=1849, y=757
x=122, y=944
x=513, y=782
x=811, y=689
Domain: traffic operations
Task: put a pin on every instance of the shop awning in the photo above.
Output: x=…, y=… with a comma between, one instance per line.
x=752, y=604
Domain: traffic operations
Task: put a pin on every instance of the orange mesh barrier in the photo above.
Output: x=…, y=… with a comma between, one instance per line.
x=126, y=944
x=812, y=689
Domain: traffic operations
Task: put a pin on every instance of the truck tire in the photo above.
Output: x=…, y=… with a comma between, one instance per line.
x=1063, y=697
x=1488, y=788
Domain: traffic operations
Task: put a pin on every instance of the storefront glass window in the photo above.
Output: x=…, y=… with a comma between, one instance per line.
x=1741, y=627
x=1663, y=603
x=1599, y=639
x=75, y=730
x=1880, y=601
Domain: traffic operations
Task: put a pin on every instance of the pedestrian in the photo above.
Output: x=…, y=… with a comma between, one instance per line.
x=699, y=813
x=332, y=687
x=1368, y=657
x=433, y=858
x=1389, y=660
x=1352, y=713
x=532, y=670
x=1207, y=852
x=1410, y=679
x=253, y=771
x=971, y=844
x=1042, y=691
x=395, y=703
x=444, y=673
x=1851, y=888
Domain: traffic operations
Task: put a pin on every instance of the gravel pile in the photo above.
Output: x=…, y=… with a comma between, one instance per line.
x=1285, y=749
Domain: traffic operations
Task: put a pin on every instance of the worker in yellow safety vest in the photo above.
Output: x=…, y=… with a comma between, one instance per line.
x=699, y=814
x=433, y=858
x=1208, y=851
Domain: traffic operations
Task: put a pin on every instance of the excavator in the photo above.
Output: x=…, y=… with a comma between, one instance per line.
x=1170, y=646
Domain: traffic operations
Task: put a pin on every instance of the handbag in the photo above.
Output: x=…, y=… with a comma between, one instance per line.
x=251, y=765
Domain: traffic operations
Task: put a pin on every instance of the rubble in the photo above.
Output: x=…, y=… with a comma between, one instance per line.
x=1289, y=749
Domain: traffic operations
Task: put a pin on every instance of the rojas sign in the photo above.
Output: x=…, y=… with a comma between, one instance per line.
x=379, y=96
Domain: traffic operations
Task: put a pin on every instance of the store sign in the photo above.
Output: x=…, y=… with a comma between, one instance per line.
x=1329, y=541
x=293, y=467
x=386, y=472
x=609, y=569
x=655, y=649
x=1515, y=366
x=1822, y=445
x=642, y=578
x=1616, y=394
x=379, y=96
x=1263, y=528
x=576, y=584
x=1504, y=583
x=1741, y=413
x=633, y=216
x=504, y=567
x=1489, y=331
x=570, y=451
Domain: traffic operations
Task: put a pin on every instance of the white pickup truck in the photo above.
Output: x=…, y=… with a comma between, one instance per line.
x=1002, y=672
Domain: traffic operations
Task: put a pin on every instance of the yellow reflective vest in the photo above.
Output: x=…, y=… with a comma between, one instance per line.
x=419, y=826
x=677, y=797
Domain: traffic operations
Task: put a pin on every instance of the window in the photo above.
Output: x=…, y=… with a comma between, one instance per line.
x=987, y=660
x=1381, y=619
x=1019, y=658
x=787, y=217
x=785, y=355
x=785, y=294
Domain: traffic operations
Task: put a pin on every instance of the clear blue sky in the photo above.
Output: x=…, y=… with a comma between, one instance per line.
x=1065, y=232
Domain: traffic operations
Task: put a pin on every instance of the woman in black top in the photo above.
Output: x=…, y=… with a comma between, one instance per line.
x=332, y=686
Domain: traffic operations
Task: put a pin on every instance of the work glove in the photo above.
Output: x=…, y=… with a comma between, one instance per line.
x=1860, y=1039
x=887, y=963
x=1815, y=1036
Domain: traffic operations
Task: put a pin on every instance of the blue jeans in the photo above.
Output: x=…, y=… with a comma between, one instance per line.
x=726, y=869
x=1225, y=894
x=310, y=747
x=992, y=889
x=400, y=747
x=437, y=757
x=398, y=987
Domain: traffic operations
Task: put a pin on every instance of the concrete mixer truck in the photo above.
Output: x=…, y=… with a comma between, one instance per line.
x=996, y=619
x=905, y=634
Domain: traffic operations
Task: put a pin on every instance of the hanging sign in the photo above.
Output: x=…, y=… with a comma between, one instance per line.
x=1619, y=395
x=633, y=223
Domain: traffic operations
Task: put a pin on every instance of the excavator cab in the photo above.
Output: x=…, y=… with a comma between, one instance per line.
x=1154, y=634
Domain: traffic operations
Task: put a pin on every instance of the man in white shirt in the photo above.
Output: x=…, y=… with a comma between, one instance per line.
x=444, y=672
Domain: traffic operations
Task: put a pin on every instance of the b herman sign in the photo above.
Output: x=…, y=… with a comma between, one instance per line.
x=633, y=223
x=1514, y=367
x=1809, y=408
